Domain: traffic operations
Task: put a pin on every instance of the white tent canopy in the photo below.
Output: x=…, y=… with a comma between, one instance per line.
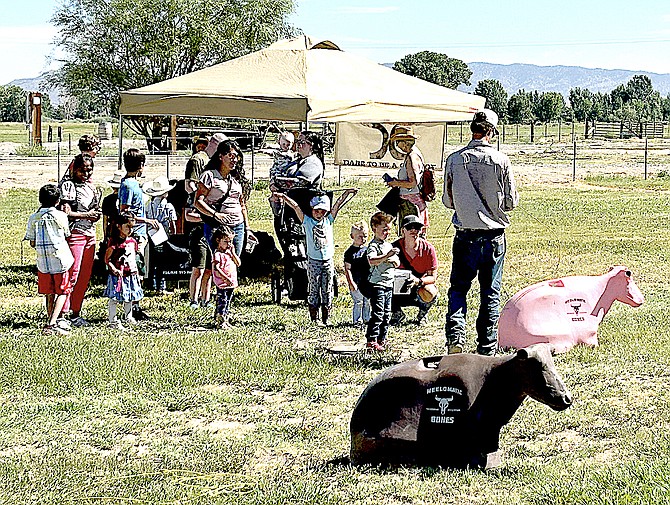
x=298, y=80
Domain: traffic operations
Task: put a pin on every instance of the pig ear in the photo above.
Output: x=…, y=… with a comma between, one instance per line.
x=629, y=273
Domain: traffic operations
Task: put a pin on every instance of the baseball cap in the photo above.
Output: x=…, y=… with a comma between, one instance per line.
x=410, y=220
x=320, y=202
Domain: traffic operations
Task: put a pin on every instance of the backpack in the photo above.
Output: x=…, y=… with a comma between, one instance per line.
x=427, y=183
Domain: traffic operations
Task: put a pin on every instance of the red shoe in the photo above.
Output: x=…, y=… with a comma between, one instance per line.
x=374, y=346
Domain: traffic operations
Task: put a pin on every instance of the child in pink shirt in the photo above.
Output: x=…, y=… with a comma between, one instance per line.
x=224, y=272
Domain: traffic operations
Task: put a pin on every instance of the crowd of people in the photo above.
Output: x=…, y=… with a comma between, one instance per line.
x=382, y=276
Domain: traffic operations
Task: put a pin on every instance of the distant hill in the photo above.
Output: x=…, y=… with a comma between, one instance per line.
x=37, y=84
x=513, y=78
x=559, y=78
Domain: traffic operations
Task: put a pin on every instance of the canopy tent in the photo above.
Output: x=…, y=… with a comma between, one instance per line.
x=300, y=80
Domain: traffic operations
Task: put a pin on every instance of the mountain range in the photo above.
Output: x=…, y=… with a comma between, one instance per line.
x=513, y=78
x=558, y=78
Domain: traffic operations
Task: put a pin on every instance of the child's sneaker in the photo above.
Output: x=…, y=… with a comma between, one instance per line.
x=194, y=305
x=79, y=321
x=116, y=325
x=63, y=324
x=131, y=320
x=54, y=330
x=374, y=346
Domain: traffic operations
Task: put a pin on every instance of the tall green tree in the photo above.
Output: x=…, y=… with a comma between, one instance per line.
x=113, y=45
x=581, y=102
x=549, y=106
x=665, y=108
x=520, y=107
x=12, y=103
x=437, y=68
x=495, y=94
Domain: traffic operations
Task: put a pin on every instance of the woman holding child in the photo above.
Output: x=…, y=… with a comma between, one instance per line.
x=222, y=194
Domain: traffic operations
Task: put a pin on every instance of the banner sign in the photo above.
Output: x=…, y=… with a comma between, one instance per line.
x=373, y=145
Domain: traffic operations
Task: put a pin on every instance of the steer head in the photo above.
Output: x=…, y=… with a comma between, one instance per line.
x=540, y=379
x=625, y=289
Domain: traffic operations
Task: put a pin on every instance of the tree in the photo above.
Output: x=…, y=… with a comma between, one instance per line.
x=113, y=45
x=495, y=94
x=437, y=68
x=639, y=88
x=520, y=107
x=665, y=108
x=549, y=106
x=581, y=102
x=12, y=103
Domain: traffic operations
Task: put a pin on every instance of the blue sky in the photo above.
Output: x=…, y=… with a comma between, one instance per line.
x=597, y=34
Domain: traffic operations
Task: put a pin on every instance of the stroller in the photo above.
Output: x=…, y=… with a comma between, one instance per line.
x=292, y=241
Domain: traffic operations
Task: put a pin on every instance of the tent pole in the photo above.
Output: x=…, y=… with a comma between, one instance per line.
x=252, y=159
x=118, y=167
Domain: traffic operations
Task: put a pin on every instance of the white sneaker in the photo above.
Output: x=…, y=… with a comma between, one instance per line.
x=131, y=320
x=63, y=324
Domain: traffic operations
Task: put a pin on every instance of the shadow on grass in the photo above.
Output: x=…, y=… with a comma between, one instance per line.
x=18, y=275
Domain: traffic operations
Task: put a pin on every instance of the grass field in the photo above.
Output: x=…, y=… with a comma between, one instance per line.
x=169, y=413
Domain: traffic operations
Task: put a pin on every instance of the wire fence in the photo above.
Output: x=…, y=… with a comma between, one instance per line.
x=564, y=132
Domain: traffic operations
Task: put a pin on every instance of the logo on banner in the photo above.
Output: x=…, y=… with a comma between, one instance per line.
x=388, y=143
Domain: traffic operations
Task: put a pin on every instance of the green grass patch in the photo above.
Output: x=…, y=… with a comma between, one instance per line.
x=174, y=412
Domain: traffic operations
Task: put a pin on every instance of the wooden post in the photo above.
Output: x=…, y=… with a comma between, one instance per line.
x=559, y=130
x=503, y=133
x=545, y=130
x=646, y=151
x=572, y=131
x=574, y=160
x=173, y=134
x=517, y=132
x=532, y=132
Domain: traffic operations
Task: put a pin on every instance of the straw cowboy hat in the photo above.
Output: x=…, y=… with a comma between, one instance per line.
x=158, y=186
x=402, y=133
x=115, y=180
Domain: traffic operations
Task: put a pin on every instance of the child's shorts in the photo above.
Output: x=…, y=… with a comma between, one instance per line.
x=54, y=284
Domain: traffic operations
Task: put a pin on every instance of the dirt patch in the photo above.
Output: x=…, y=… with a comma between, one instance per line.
x=532, y=164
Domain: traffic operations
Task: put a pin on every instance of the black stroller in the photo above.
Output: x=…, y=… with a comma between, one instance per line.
x=292, y=241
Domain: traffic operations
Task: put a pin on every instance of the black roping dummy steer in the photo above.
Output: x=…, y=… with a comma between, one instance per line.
x=448, y=410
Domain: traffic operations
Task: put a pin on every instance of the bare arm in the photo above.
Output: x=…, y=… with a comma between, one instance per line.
x=389, y=256
x=342, y=201
x=349, y=277
x=414, y=166
x=282, y=197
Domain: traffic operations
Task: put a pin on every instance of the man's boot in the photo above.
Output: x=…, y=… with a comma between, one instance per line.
x=325, y=315
x=314, y=313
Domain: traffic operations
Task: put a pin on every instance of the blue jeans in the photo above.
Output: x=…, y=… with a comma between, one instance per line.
x=481, y=254
x=239, y=231
x=360, y=312
x=224, y=297
x=411, y=300
x=320, y=283
x=380, y=314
